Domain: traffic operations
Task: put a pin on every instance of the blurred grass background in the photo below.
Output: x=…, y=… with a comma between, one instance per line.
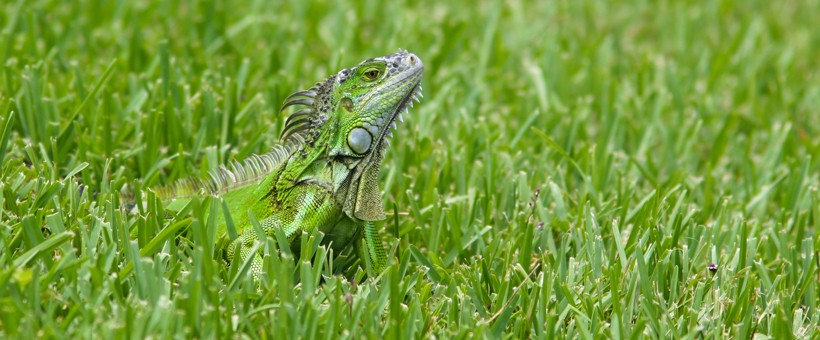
x=573, y=169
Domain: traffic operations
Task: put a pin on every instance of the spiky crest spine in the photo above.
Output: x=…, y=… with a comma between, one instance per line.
x=223, y=179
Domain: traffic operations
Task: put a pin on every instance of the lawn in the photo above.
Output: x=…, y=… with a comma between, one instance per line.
x=578, y=169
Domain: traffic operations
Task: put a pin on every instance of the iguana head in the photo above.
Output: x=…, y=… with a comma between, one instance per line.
x=350, y=116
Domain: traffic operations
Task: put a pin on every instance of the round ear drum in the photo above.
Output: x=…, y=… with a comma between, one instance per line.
x=359, y=140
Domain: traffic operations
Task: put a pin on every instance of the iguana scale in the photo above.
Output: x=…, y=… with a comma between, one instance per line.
x=324, y=174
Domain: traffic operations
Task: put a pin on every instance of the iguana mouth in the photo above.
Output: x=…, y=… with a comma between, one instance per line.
x=402, y=108
x=407, y=81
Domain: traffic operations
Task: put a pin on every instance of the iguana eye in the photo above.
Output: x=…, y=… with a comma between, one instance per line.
x=371, y=74
x=359, y=140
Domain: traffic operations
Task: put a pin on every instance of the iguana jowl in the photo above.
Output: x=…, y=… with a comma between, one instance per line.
x=324, y=174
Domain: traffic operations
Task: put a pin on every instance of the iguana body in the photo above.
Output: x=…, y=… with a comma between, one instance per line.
x=324, y=175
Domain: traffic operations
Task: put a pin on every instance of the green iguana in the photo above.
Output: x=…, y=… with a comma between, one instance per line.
x=324, y=174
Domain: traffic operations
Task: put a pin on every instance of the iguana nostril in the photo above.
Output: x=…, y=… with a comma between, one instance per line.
x=412, y=60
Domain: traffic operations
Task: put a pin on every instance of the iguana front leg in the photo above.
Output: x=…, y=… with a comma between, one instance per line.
x=371, y=249
x=366, y=240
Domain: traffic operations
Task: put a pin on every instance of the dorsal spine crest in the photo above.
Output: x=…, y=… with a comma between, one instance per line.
x=222, y=178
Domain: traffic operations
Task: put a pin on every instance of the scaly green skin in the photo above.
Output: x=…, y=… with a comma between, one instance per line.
x=324, y=177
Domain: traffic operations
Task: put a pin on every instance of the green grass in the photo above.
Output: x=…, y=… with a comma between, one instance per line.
x=573, y=169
